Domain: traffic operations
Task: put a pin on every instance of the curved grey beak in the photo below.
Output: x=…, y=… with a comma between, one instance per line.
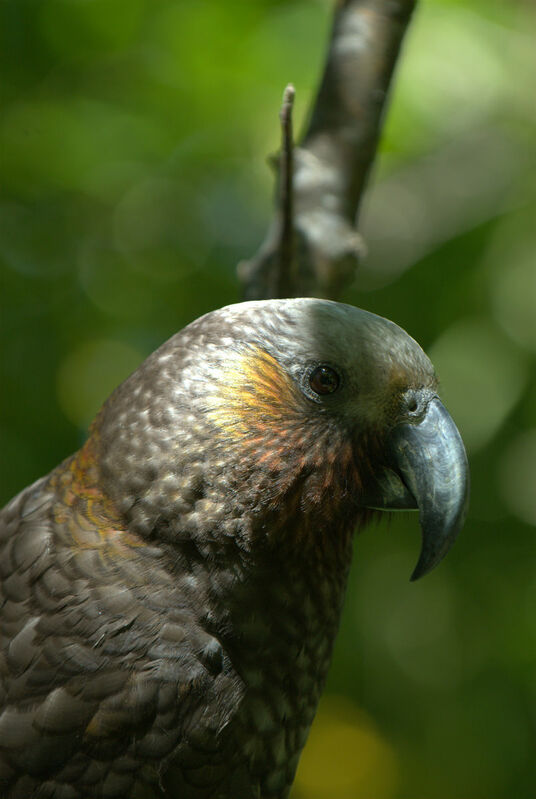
x=429, y=472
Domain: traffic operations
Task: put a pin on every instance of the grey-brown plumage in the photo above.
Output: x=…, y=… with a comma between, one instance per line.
x=169, y=595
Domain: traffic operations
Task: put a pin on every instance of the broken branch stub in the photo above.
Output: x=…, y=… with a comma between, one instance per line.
x=312, y=247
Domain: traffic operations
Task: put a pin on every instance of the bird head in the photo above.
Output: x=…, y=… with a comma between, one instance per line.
x=299, y=410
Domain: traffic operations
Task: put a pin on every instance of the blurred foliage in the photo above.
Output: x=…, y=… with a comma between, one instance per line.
x=133, y=139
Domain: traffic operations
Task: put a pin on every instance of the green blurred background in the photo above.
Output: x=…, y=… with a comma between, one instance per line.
x=133, y=179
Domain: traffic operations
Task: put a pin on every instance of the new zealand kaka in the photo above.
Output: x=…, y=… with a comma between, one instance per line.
x=170, y=594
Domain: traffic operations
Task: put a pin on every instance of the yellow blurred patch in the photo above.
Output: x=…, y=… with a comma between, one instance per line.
x=346, y=757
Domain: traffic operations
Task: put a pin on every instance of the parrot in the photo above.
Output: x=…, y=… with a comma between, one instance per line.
x=170, y=594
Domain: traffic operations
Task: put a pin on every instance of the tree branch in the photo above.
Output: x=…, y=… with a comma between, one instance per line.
x=333, y=162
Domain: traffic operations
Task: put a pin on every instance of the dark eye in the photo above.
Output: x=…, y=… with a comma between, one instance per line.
x=324, y=380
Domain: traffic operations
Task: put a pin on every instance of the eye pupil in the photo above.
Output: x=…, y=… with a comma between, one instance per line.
x=324, y=380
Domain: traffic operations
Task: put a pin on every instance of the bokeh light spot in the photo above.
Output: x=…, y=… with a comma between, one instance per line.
x=513, y=289
x=346, y=757
x=482, y=377
x=88, y=375
x=470, y=46
x=109, y=282
x=415, y=629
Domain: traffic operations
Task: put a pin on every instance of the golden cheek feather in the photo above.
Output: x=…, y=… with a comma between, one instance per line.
x=253, y=394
